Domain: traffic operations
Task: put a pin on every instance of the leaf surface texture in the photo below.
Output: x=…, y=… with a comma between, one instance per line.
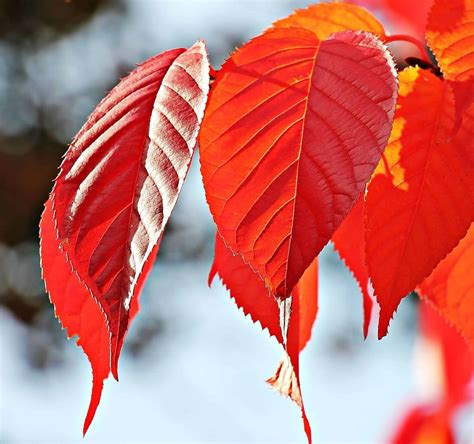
x=293, y=131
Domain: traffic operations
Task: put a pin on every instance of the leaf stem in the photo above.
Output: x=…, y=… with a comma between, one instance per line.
x=410, y=39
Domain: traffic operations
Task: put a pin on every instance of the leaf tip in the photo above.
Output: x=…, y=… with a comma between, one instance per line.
x=114, y=361
x=97, y=386
x=212, y=274
x=384, y=321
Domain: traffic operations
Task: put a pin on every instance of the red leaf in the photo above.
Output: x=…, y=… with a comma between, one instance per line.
x=451, y=288
x=247, y=289
x=416, y=205
x=80, y=315
x=250, y=294
x=119, y=182
x=463, y=93
x=325, y=19
x=349, y=242
x=292, y=132
x=304, y=308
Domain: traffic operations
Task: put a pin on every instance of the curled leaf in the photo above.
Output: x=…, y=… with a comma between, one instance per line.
x=117, y=186
x=80, y=315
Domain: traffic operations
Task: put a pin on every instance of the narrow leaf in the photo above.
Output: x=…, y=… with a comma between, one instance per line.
x=293, y=130
x=250, y=294
x=304, y=309
x=80, y=315
x=349, y=242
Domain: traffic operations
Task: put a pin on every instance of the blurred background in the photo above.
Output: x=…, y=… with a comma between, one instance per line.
x=193, y=367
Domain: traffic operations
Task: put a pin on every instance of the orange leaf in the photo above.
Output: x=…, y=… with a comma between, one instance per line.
x=451, y=287
x=450, y=35
x=293, y=130
x=250, y=294
x=326, y=18
x=416, y=205
x=349, y=242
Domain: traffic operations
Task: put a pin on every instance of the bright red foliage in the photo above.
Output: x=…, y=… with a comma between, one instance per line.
x=118, y=184
x=250, y=294
x=77, y=310
x=279, y=189
x=451, y=287
x=349, y=242
x=416, y=204
x=299, y=120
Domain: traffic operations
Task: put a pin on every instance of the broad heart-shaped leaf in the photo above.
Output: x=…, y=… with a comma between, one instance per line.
x=117, y=186
x=450, y=35
x=450, y=288
x=349, y=242
x=325, y=19
x=293, y=130
x=250, y=295
x=417, y=207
